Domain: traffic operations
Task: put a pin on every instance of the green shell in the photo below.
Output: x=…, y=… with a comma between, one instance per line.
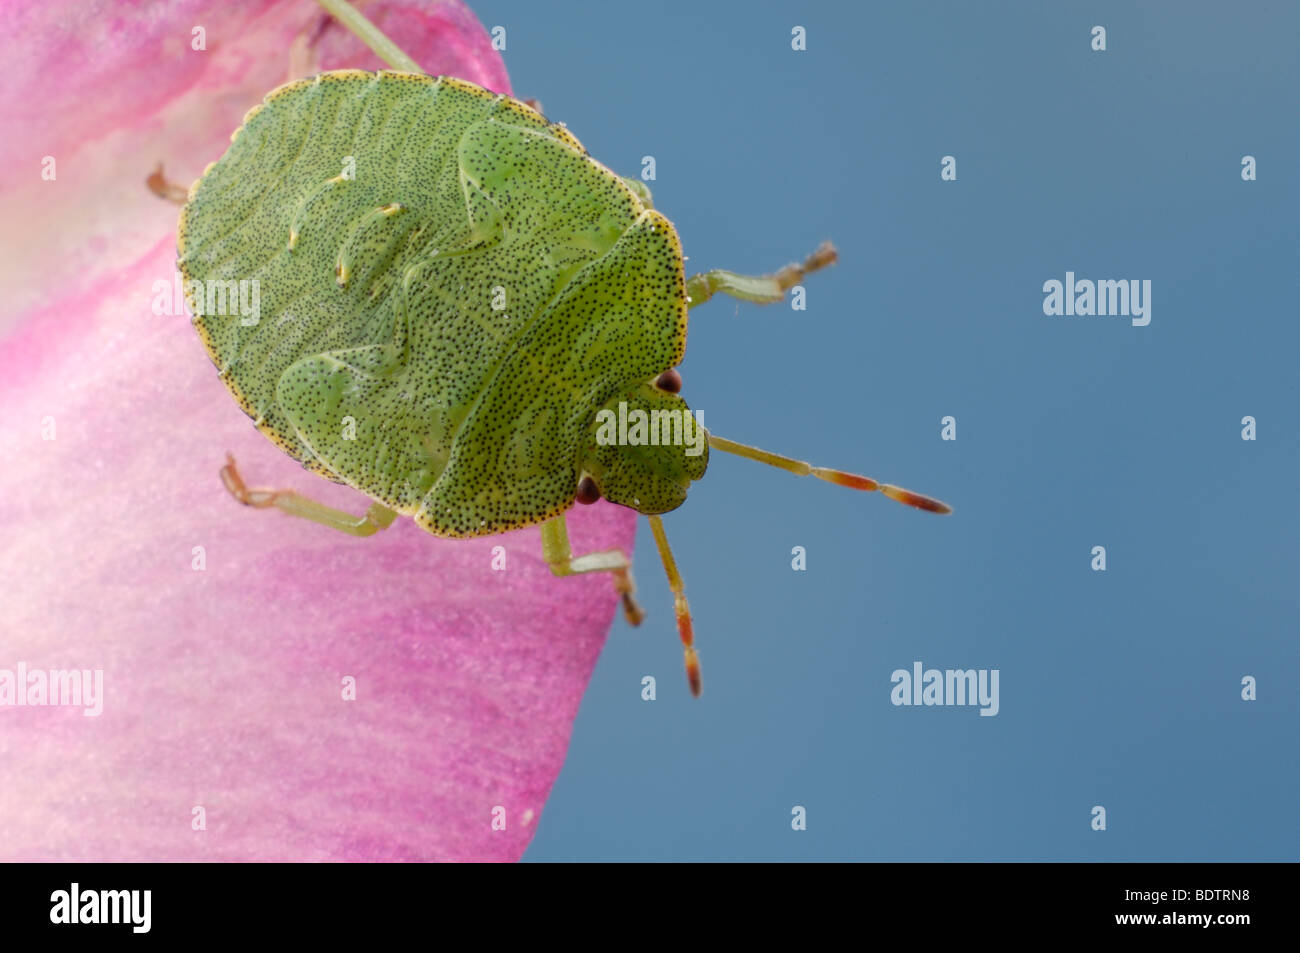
x=377, y=294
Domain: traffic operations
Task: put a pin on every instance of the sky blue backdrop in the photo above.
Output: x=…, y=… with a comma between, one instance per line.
x=1119, y=688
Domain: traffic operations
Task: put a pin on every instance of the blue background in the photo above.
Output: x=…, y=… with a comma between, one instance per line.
x=1120, y=688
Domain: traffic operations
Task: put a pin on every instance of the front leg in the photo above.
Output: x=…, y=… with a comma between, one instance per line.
x=760, y=289
x=558, y=555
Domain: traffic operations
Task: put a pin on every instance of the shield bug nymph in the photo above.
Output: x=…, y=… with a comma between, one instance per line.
x=455, y=297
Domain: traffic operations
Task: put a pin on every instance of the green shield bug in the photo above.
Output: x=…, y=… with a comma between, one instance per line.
x=460, y=313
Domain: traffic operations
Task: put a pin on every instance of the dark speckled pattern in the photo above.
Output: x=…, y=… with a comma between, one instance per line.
x=377, y=296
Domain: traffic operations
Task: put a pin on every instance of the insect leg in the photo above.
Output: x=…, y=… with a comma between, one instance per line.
x=761, y=289
x=304, y=56
x=685, y=628
x=160, y=186
x=377, y=517
x=558, y=555
x=641, y=189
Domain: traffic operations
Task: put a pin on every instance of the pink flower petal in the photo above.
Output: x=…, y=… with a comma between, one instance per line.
x=223, y=686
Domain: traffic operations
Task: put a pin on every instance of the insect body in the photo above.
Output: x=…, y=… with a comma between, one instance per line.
x=453, y=294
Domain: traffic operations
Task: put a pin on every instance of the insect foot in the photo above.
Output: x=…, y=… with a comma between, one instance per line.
x=377, y=517
x=559, y=557
x=235, y=485
x=164, y=189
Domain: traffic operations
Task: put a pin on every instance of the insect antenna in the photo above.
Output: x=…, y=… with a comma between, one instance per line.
x=838, y=477
x=684, y=628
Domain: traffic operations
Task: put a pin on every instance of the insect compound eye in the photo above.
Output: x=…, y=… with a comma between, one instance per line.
x=670, y=380
x=588, y=492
